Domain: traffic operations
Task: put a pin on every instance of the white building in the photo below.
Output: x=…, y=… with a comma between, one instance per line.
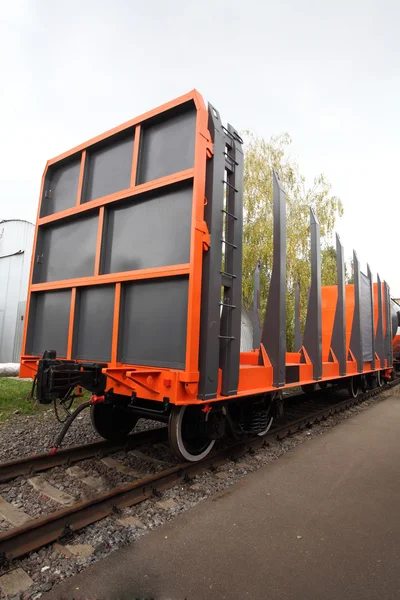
x=16, y=241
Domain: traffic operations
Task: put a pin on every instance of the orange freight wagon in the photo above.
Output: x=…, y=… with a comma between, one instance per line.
x=136, y=288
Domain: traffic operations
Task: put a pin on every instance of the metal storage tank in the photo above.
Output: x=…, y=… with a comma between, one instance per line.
x=16, y=241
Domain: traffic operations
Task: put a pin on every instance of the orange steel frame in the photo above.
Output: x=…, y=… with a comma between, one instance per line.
x=180, y=386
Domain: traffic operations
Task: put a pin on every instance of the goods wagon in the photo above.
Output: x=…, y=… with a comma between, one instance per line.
x=136, y=289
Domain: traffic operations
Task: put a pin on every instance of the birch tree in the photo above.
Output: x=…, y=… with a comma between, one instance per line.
x=261, y=157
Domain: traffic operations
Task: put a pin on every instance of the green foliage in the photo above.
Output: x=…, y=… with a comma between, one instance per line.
x=260, y=158
x=328, y=266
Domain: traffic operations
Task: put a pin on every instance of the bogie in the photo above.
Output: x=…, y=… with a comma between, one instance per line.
x=193, y=430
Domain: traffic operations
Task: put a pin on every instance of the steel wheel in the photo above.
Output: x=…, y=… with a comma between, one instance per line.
x=353, y=387
x=323, y=385
x=112, y=422
x=185, y=433
x=379, y=379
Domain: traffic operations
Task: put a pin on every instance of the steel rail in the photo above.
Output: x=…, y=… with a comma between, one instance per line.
x=35, y=463
x=44, y=530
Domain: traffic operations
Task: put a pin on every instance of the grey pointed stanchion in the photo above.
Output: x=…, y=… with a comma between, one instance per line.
x=338, y=343
x=256, y=308
x=313, y=328
x=274, y=330
x=356, y=339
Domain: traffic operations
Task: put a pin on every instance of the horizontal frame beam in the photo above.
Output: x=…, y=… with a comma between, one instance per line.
x=149, y=186
x=124, y=276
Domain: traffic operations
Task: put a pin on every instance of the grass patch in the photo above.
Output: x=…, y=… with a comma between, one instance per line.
x=13, y=397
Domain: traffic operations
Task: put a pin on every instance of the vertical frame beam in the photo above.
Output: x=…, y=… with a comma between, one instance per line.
x=379, y=345
x=274, y=330
x=135, y=155
x=338, y=343
x=71, y=323
x=99, y=242
x=81, y=179
x=313, y=328
x=231, y=318
x=212, y=259
x=115, y=330
x=356, y=339
x=197, y=240
x=297, y=331
x=256, y=308
x=371, y=287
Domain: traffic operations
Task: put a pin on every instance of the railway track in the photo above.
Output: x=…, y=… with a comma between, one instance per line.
x=16, y=542
x=37, y=463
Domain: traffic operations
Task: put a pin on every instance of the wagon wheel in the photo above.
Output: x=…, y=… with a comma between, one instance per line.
x=353, y=387
x=185, y=433
x=112, y=422
x=323, y=385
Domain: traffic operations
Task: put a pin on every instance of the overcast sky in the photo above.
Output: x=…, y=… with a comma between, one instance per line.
x=326, y=72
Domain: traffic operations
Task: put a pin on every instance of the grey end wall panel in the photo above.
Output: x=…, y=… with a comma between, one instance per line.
x=67, y=251
x=109, y=168
x=62, y=183
x=152, y=232
x=93, y=323
x=49, y=322
x=167, y=146
x=153, y=322
x=366, y=318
